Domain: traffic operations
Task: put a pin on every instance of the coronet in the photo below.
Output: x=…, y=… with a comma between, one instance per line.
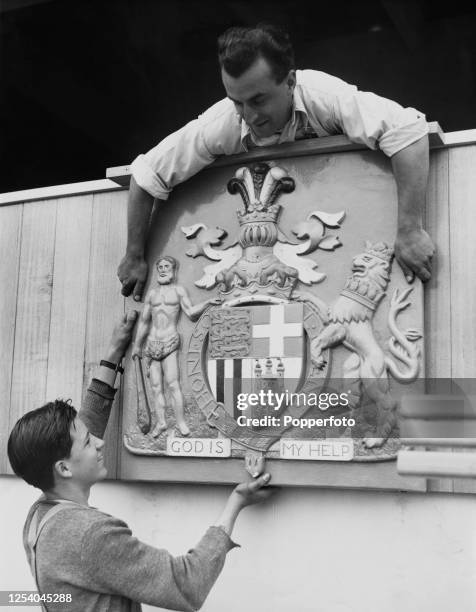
x=254, y=291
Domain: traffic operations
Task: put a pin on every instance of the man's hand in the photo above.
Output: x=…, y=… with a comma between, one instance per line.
x=132, y=273
x=413, y=251
x=121, y=336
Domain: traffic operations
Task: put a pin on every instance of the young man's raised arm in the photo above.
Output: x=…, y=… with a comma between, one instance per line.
x=97, y=403
x=119, y=563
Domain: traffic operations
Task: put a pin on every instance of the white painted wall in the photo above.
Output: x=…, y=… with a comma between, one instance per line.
x=307, y=551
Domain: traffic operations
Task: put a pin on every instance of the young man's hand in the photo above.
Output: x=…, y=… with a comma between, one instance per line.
x=245, y=494
x=121, y=336
x=254, y=491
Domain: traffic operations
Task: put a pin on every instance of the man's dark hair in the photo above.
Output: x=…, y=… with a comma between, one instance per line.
x=38, y=440
x=239, y=48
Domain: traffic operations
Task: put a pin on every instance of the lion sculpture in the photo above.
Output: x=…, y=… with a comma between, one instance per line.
x=350, y=324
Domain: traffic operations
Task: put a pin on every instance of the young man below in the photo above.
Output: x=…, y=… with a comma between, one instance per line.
x=85, y=559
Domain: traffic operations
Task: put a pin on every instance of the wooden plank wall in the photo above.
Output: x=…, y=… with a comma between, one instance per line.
x=462, y=197
x=438, y=290
x=10, y=233
x=60, y=295
x=60, y=299
x=450, y=301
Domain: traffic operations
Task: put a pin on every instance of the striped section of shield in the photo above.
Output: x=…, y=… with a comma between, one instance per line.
x=277, y=351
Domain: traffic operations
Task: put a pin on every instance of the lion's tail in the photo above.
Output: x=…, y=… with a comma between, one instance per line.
x=402, y=345
x=410, y=357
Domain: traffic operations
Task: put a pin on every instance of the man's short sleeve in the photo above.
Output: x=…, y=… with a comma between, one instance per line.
x=183, y=153
x=362, y=116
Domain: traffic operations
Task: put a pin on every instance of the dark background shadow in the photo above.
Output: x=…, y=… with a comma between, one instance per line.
x=89, y=84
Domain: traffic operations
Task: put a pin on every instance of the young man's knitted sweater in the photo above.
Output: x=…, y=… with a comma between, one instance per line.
x=94, y=557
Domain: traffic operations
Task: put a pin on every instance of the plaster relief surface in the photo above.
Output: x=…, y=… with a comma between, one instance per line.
x=279, y=328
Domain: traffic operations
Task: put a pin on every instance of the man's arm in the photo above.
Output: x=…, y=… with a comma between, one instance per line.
x=413, y=246
x=174, y=160
x=401, y=133
x=132, y=271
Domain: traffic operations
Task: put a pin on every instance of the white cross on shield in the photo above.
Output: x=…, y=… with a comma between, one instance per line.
x=252, y=347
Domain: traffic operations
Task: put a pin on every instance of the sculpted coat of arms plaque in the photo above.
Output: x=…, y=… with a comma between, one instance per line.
x=274, y=362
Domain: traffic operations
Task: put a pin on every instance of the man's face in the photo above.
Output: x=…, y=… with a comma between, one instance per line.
x=263, y=103
x=86, y=460
x=165, y=272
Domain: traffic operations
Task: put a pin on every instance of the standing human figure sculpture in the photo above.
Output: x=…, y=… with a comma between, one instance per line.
x=158, y=340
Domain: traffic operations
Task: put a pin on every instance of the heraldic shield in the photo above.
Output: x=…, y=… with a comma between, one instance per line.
x=268, y=359
x=259, y=347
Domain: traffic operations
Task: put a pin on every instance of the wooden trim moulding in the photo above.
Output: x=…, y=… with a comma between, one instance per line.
x=380, y=476
x=118, y=177
x=58, y=191
x=313, y=146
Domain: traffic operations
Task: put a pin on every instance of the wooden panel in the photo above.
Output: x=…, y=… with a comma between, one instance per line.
x=312, y=146
x=68, y=305
x=363, y=186
x=10, y=227
x=451, y=293
x=463, y=286
x=57, y=191
x=441, y=442
x=104, y=301
x=463, y=256
x=40, y=356
x=381, y=476
x=421, y=463
x=462, y=137
x=438, y=289
x=32, y=326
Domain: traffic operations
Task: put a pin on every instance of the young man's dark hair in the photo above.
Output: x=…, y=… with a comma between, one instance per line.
x=239, y=48
x=40, y=439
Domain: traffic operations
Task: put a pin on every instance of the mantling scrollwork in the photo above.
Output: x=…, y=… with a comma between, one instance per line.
x=263, y=260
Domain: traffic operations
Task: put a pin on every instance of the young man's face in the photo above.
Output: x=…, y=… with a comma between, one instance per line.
x=86, y=460
x=263, y=103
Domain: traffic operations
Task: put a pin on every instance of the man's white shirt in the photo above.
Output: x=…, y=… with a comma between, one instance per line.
x=323, y=104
